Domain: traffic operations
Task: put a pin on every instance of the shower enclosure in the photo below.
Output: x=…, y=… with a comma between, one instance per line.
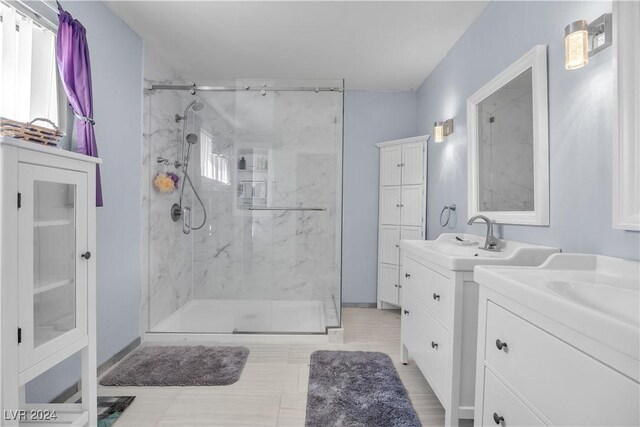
x=265, y=159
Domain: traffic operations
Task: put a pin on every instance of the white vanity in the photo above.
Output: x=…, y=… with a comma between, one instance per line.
x=440, y=310
x=559, y=344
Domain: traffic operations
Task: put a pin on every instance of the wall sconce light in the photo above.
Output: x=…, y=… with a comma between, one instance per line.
x=442, y=129
x=583, y=39
x=438, y=137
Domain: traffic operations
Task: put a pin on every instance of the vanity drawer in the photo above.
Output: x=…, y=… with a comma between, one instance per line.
x=563, y=383
x=431, y=289
x=427, y=342
x=499, y=401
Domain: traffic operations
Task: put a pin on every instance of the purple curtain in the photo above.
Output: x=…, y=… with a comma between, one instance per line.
x=72, y=53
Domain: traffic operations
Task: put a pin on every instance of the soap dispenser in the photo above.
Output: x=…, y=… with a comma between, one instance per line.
x=242, y=164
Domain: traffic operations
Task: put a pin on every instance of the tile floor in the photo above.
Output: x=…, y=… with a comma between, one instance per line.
x=272, y=390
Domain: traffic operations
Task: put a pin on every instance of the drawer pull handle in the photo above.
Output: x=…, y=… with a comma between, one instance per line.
x=406, y=312
x=407, y=275
x=497, y=418
x=436, y=296
x=500, y=344
x=434, y=345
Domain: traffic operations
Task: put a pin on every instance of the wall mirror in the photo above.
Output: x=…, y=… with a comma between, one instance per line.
x=626, y=148
x=508, y=163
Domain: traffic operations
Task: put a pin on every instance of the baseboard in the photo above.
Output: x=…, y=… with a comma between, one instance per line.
x=358, y=305
x=75, y=388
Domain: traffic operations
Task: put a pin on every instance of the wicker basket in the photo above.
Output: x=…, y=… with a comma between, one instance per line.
x=30, y=132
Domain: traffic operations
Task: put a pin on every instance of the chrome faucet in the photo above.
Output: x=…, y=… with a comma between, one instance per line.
x=491, y=242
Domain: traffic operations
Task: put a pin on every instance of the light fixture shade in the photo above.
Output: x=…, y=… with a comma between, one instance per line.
x=438, y=133
x=576, y=45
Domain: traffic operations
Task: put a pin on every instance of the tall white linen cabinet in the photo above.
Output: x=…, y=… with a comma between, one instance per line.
x=47, y=277
x=402, y=209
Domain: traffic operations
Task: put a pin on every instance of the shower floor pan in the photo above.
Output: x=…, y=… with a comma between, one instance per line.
x=249, y=317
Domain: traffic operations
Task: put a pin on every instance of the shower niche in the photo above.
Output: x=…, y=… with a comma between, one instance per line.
x=253, y=177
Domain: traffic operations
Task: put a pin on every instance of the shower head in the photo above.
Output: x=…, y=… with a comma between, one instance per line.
x=192, y=138
x=194, y=105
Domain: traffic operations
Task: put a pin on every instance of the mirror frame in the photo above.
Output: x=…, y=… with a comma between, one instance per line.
x=536, y=59
x=626, y=163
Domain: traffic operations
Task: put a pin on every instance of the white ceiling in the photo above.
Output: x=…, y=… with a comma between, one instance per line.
x=383, y=45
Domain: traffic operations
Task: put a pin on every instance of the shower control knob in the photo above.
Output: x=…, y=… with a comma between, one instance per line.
x=86, y=255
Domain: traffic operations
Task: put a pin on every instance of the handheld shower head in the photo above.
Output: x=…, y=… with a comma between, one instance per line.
x=192, y=138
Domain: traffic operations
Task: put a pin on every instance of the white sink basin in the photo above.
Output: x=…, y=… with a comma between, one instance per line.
x=451, y=254
x=595, y=295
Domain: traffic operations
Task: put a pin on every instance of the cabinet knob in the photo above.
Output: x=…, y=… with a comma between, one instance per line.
x=397, y=246
x=406, y=312
x=500, y=344
x=436, y=296
x=497, y=418
x=395, y=286
x=397, y=205
x=399, y=164
x=434, y=345
x=86, y=255
x=407, y=275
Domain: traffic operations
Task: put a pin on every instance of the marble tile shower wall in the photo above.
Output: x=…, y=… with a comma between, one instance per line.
x=243, y=254
x=167, y=252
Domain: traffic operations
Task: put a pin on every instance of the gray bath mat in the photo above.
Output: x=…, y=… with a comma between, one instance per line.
x=356, y=388
x=178, y=366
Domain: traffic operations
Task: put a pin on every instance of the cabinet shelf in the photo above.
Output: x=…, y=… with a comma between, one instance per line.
x=67, y=414
x=45, y=288
x=52, y=223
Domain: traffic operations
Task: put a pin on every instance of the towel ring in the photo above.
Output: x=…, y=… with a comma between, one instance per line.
x=448, y=209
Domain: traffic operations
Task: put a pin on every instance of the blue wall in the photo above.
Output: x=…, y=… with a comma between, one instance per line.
x=116, y=62
x=369, y=117
x=580, y=125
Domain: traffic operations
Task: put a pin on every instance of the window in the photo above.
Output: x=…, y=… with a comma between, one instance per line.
x=214, y=166
x=28, y=71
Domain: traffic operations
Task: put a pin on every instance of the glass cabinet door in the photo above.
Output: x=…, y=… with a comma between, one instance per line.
x=52, y=239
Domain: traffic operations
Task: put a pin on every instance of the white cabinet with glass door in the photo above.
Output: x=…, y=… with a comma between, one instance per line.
x=402, y=194
x=48, y=272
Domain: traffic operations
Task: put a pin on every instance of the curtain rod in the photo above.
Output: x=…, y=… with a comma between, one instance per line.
x=194, y=88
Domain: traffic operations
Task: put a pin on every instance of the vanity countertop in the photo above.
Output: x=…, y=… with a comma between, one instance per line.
x=452, y=254
x=597, y=296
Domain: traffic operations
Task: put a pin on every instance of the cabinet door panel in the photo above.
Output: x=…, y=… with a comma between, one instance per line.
x=390, y=170
x=389, y=251
x=388, y=277
x=411, y=233
x=52, y=233
x=390, y=205
x=412, y=164
x=412, y=209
